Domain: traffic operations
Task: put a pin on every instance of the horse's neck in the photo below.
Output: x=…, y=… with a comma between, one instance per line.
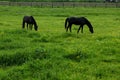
x=35, y=23
x=89, y=24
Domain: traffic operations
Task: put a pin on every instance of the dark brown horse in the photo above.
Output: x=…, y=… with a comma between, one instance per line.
x=78, y=21
x=30, y=21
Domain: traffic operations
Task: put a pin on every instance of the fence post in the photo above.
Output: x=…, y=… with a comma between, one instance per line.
x=52, y=4
x=63, y=4
x=73, y=4
x=41, y=5
x=9, y=3
x=117, y=5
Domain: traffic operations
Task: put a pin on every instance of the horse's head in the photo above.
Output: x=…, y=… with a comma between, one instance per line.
x=91, y=30
x=36, y=27
x=90, y=26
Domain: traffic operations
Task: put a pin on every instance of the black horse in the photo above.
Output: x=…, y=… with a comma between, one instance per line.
x=30, y=21
x=78, y=21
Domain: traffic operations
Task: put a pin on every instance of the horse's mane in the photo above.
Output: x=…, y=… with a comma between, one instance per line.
x=33, y=20
x=88, y=23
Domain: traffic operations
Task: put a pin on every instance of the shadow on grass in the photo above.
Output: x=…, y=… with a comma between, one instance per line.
x=16, y=31
x=20, y=58
x=77, y=56
x=42, y=38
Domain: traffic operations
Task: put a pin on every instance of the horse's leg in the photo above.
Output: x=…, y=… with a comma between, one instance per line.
x=67, y=28
x=82, y=29
x=70, y=27
x=78, y=29
x=27, y=26
x=30, y=26
x=23, y=24
x=81, y=26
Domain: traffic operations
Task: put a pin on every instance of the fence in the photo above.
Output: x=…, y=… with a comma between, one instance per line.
x=62, y=4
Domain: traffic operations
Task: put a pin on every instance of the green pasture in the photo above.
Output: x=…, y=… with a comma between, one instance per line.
x=51, y=53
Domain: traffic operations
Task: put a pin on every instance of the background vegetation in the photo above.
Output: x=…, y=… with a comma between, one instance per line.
x=55, y=0
x=52, y=54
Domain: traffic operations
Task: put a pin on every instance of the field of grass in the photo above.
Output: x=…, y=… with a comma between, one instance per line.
x=52, y=54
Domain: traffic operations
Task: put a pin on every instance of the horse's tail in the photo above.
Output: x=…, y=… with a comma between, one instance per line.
x=23, y=24
x=66, y=22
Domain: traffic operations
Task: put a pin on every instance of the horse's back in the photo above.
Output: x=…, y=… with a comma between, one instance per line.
x=25, y=18
x=28, y=19
x=77, y=20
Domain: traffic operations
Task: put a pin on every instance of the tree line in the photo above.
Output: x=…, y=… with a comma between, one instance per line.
x=54, y=0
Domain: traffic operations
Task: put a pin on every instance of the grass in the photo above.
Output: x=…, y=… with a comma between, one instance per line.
x=52, y=54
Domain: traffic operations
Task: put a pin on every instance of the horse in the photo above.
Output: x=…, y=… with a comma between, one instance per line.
x=78, y=21
x=30, y=21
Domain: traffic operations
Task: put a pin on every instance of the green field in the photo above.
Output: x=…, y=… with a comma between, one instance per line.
x=51, y=53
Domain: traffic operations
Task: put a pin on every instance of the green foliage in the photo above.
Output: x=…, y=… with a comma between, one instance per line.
x=50, y=0
x=52, y=54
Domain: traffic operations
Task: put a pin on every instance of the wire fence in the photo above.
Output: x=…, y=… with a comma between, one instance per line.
x=62, y=4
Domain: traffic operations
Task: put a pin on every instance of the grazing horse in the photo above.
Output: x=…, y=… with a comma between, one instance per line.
x=30, y=21
x=78, y=21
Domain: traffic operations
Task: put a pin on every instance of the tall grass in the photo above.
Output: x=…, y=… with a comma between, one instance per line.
x=53, y=54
